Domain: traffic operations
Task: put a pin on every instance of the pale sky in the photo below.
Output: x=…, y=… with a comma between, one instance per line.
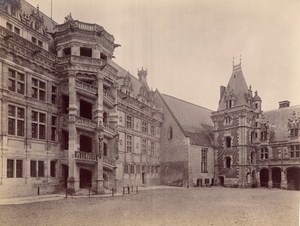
x=187, y=46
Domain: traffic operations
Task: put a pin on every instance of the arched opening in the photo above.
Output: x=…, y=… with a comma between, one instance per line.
x=86, y=143
x=293, y=178
x=264, y=177
x=276, y=177
x=227, y=162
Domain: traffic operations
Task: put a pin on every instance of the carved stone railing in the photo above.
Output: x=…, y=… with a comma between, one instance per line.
x=85, y=87
x=109, y=97
x=84, y=122
x=86, y=156
x=108, y=129
x=109, y=161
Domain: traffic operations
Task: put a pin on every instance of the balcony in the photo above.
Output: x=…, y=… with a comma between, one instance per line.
x=108, y=163
x=109, y=130
x=85, y=87
x=85, y=157
x=85, y=123
x=108, y=97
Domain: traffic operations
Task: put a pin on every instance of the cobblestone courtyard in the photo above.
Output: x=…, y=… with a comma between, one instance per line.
x=173, y=206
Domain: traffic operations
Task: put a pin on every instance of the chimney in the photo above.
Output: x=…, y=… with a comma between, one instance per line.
x=222, y=91
x=284, y=104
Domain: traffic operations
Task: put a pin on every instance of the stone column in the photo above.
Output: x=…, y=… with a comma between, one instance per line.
x=73, y=180
x=270, y=182
x=283, y=184
x=258, y=178
x=99, y=135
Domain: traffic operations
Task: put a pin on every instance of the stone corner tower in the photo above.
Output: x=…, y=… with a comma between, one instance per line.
x=234, y=132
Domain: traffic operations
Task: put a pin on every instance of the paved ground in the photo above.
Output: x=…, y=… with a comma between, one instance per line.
x=194, y=206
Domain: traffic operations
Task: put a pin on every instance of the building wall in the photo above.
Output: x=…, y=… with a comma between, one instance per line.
x=174, y=151
x=196, y=172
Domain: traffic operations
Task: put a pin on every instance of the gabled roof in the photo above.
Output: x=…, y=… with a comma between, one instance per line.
x=194, y=120
x=278, y=122
x=237, y=87
x=136, y=83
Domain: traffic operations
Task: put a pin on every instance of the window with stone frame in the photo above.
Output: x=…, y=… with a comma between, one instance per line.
x=38, y=125
x=138, y=169
x=131, y=169
x=228, y=142
x=263, y=135
x=38, y=90
x=227, y=120
x=19, y=168
x=53, y=94
x=144, y=146
x=128, y=143
x=53, y=127
x=227, y=162
x=16, y=81
x=125, y=169
x=129, y=122
x=204, y=160
x=10, y=168
x=264, y=153
x=16, y=120
x=295, y=151
x=152, y=130
x=53, y=168
x=152, y=148
x=144, y=127
x=294, y=132
x=9, y=26
x=37, y=168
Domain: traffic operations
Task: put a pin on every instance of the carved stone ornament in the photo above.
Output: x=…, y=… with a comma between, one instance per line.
x=294, y=122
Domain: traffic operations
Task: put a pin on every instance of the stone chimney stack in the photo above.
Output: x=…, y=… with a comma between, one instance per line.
x=284, y=104
x=222, y=91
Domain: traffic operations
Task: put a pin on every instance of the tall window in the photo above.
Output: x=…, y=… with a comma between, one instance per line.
x=229, y=103
x=131, y=169
x=37, y=168
x=19, y=168
x=204, y=160
x=129, y=143
x=53, y=168
x=16, y=117
x=10, y=168
x=53, y=94
x=294, y=132
x=144, y=146
x=227, y=120
x=53, y=128
x=295, y=151
x=152, y=148
x=264, y=153
x=144, y=127
x=38, y=125
x=263, y=135
x=227, y=162
x=125, y=169
x=129, y=122
x=38, y=89
x=16, y=81
x=152, y=130
x=228, y=142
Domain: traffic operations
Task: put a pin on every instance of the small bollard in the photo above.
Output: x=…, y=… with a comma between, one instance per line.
x=38, y=191
x=137, y=189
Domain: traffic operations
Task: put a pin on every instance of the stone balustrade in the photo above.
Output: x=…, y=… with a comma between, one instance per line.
x=86, y=122
x=86, y=156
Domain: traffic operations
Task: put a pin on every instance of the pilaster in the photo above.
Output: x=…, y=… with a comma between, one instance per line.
x=99, y=104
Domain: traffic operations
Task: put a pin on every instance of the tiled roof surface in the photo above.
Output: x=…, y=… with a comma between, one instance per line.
x=278, y=122
x=193, y=119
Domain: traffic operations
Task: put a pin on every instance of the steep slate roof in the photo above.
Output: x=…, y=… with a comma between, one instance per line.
x=278, y=122
x=237, y=84
x=194, y=120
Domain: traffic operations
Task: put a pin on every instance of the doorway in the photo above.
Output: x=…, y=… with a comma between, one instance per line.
x=264, y=177
x=276, y=177
x=85, y=178
x=199, y=182
x=293, y=178
x=221, y=179
x=65, y=175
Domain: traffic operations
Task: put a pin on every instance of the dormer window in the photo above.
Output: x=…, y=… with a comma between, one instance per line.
x=294, y=132
x=264, y=153
x=263, y=135
x=229, y=104
x=227, y=120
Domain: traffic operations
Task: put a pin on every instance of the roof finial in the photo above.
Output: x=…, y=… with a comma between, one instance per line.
x=241, y=59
